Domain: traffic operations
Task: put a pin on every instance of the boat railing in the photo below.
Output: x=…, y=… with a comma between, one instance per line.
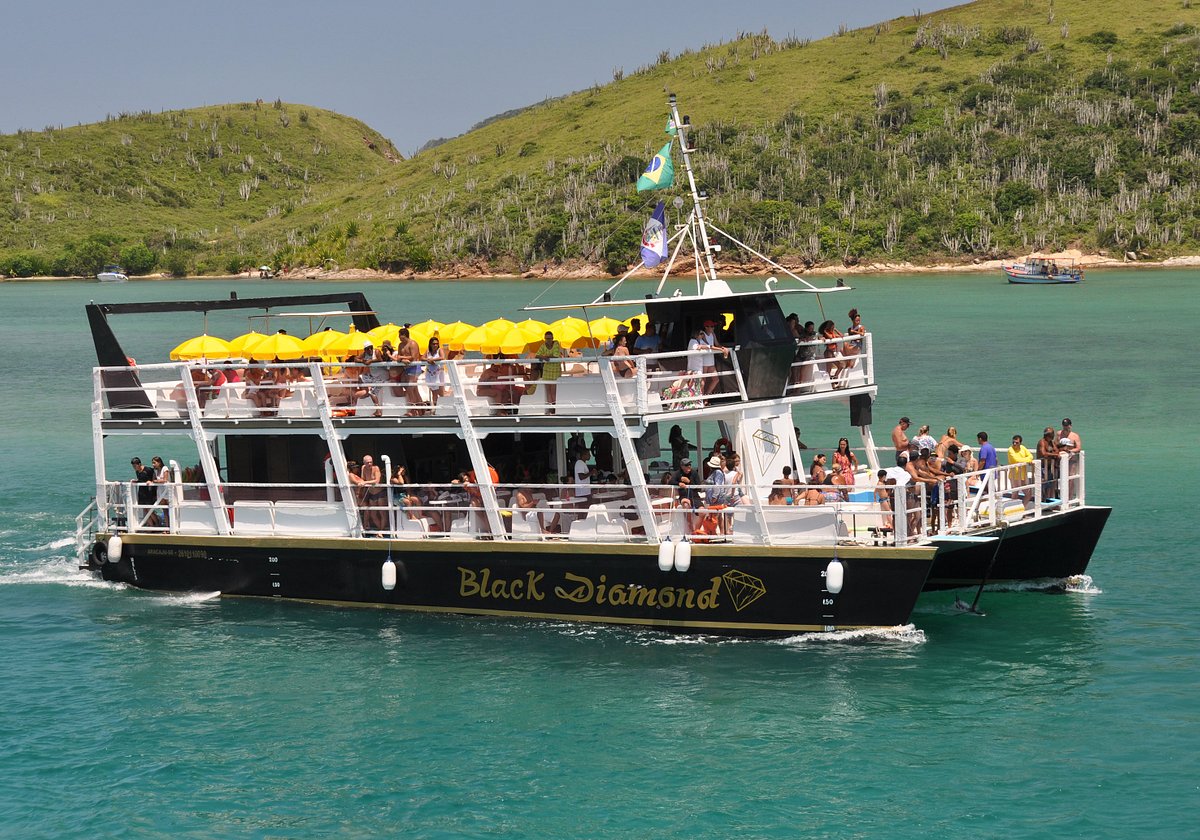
x=642, y=384
x=484, y=387
x=742, y=514
x=832, y=364
x=885, y=514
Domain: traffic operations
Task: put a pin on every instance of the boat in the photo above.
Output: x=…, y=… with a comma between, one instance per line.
x=112, y=274
x=1035, y=271
x=503, y=516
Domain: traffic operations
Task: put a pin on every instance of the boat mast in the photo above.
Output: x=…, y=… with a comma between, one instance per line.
x=685, y=148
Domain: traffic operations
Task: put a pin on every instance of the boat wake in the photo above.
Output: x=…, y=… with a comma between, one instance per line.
x=62, y=571
x=183, y=599
x=1075, y=584
x=907, y=634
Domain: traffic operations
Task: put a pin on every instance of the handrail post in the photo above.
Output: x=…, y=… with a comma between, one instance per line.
x=207, y=462
x=336, y=455
x=387, y=485
x=1064, y=478
x=1037, y=488
x=642, y=400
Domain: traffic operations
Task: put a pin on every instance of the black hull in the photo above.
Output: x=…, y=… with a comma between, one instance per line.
x=1053, y=547
x=732, y=590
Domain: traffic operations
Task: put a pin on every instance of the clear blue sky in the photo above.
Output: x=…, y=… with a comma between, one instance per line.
x=411, y=70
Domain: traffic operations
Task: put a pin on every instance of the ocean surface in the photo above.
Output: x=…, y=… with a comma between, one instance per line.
x=126, y=713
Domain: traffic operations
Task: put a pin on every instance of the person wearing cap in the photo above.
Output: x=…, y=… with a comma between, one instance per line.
x=687, y=489
x=611, y=344
x=708, y=338
x=1068, y=440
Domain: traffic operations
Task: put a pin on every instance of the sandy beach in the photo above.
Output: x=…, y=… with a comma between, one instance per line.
x=584, y=270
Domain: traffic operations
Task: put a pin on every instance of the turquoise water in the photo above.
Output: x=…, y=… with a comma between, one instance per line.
x=1071, y=715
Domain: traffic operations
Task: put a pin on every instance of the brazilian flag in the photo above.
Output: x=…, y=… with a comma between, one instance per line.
x=660, y=174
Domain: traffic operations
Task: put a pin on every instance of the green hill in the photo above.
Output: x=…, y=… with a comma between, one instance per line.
x=989, y=129
x=180, y=189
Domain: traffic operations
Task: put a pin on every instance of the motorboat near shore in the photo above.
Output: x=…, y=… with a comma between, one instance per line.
x=531, y=481
x=1043, y=271
x=112, y=274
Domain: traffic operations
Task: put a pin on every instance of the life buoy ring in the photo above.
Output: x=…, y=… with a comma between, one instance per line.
x=725, y=445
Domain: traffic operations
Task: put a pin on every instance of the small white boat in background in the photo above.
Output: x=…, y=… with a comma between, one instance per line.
x=112, y=274
x=1043, y=271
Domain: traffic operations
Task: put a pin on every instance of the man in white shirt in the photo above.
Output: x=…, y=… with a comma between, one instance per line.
x=583, y=477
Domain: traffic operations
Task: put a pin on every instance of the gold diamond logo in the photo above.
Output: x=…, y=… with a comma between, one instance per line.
x=743, y=589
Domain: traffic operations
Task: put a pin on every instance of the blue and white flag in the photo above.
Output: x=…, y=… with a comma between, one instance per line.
x=654, y=238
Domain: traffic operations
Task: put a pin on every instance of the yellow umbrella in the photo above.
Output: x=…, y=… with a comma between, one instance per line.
x=238, y=346
x=426, y=327
x=387, y=332
x=486, y=337
x=604, y=328
x=533, y=329
x=276, y=346
x=351, y=342
x=453, y=335
x=315, y=344
x=515, y=341
x=202, y=347
x=571, y=332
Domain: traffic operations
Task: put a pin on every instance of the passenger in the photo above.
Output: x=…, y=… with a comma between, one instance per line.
x=162, y=498
x=687, y=485
x=1068, y=440
x=681, y=447
x=709, y=338
x=1048, y=454
x=817, y=472
x=811, y=497
x=623, y=367
x=650, y=342
x=845, y=462
x=611, y=344
x=827, y=489
x=144, y=476
x=924, y=440
x=809, y=352
x=949, y=439
x=455, y=499
x=370, y=379
x=406, y=494
x=734, y=479
x=900, y=440
x=434, y=375
x=408, y=353
x=583, y=477
x=856, y=328
x=883, y=497
x=918, y=475
x=549, y=353
x=635, y=332
x=512, y=378
x=718, y=495
x=778, y=497
x=987, y=452
x=833, y=350
x=374, y=513
x=1018, y=457
x=699, y=358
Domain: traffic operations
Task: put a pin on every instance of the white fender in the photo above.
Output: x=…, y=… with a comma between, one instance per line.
x=388, y=575
x=114, y=549
x=683, y=556
x=666, y=555
x=835, y=576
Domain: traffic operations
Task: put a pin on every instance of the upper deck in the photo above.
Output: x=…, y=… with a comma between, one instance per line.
x=492, y=394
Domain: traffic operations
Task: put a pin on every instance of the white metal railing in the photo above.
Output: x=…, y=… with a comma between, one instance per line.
x=832, y=364
x=647, y=383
